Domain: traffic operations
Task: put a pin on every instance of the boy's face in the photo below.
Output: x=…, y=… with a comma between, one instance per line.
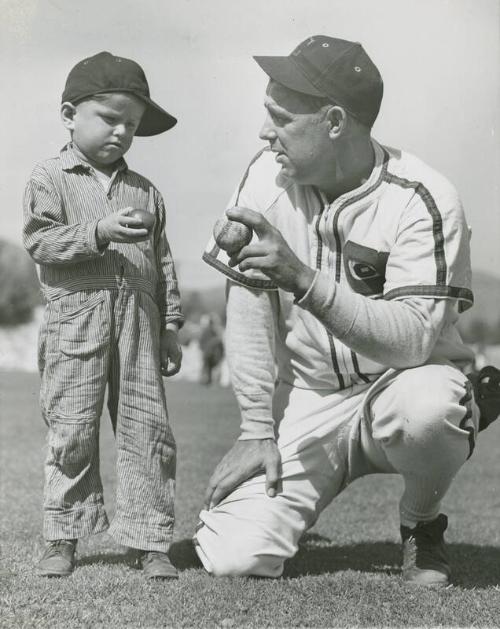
x=103, y=127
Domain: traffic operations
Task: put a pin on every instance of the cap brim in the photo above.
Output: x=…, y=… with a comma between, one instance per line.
x=155, y=120
x=283, y=70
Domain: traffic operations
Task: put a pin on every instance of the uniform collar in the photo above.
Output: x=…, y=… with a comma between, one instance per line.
x=379, y=166
x=70, y=160
x=368, y=186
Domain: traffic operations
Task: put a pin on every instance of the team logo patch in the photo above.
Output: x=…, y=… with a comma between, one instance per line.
x=365, y=269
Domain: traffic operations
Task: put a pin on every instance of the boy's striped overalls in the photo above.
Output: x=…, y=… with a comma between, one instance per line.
x=102, y=325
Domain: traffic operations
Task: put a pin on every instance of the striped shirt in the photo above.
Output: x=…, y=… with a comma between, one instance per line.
x=63, y=202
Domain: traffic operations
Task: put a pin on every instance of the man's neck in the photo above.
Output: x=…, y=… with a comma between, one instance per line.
x=353, y=169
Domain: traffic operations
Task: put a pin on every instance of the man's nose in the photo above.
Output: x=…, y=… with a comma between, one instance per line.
x=267, y=131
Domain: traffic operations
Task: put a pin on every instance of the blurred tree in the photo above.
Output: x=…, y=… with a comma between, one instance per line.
x=477, y=331
x=495, y=336
x=196, y=303
x=192, y=305
x=19, y=288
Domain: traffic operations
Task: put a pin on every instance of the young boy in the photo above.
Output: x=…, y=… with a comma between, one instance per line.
x=112, y=319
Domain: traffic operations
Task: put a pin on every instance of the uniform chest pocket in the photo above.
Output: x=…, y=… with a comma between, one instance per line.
x=365, y=269
x=84, y=324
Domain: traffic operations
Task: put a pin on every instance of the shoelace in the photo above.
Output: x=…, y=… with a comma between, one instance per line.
x=426, y=544
x=54, y=547
x=150, y=556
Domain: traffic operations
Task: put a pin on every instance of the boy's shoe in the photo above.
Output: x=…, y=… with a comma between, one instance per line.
x=157, y=565
x=424, y=553
x=58, y=560
x=486, y=386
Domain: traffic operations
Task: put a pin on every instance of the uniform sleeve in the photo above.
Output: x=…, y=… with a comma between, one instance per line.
x=248, y=194
x=168, y=296
x=431, y=254
x=250, y=354
x=46, y=236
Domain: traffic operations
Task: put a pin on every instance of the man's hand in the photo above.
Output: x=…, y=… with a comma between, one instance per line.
x=170, y=351
x=244, y=460
x=271, y=254
x=119, y=227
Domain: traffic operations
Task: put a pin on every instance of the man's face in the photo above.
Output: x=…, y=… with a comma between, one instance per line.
x=103, y=129
x=299, y=135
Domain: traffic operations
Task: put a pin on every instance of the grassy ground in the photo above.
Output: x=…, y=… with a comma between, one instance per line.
x=346, y=573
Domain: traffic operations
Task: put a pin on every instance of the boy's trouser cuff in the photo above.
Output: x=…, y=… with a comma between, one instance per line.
x=146, y=537
x=74, y=523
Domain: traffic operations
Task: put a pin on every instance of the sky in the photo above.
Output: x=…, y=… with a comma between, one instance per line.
x=440, y=60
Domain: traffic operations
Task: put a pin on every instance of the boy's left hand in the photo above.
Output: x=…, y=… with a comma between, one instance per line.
x=170, y=352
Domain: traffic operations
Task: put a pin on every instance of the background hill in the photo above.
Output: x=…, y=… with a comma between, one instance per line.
x=19, y=292
x=481, y=323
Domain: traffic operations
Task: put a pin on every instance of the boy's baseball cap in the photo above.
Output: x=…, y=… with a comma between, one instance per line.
x=105, y=73
x=336, y=69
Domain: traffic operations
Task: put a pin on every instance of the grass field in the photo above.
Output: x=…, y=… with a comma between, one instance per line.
x=346, y=573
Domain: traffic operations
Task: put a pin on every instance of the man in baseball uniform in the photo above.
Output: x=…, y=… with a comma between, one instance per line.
x=341, y=314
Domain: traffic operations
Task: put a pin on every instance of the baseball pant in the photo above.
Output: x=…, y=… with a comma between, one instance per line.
x=90, y=340
x=420, y=423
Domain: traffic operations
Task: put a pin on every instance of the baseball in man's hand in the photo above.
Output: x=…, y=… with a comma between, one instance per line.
x=231, y=235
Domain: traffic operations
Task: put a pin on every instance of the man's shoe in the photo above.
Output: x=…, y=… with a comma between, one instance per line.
x=486, y=386
x=157, y=565
x=424, y=554
x=58, y=560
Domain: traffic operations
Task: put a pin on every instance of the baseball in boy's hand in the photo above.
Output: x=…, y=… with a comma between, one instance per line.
x=231, y=235
x=121, y=227
x=148, y=219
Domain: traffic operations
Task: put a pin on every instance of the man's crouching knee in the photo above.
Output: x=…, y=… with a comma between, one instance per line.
x=236, y=555
x=424, y=417
x=423, y=403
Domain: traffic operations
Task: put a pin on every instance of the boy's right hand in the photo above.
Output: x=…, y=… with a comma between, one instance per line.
x=120, y=227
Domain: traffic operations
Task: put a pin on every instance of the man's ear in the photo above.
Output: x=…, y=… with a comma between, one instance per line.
x=68, y=111
x=337, y=119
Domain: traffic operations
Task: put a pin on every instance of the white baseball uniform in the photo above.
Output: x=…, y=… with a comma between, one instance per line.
x=343, y=405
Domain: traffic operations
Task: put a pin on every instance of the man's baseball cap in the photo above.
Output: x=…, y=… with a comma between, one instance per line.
x=104, y=73
x=336, y=69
